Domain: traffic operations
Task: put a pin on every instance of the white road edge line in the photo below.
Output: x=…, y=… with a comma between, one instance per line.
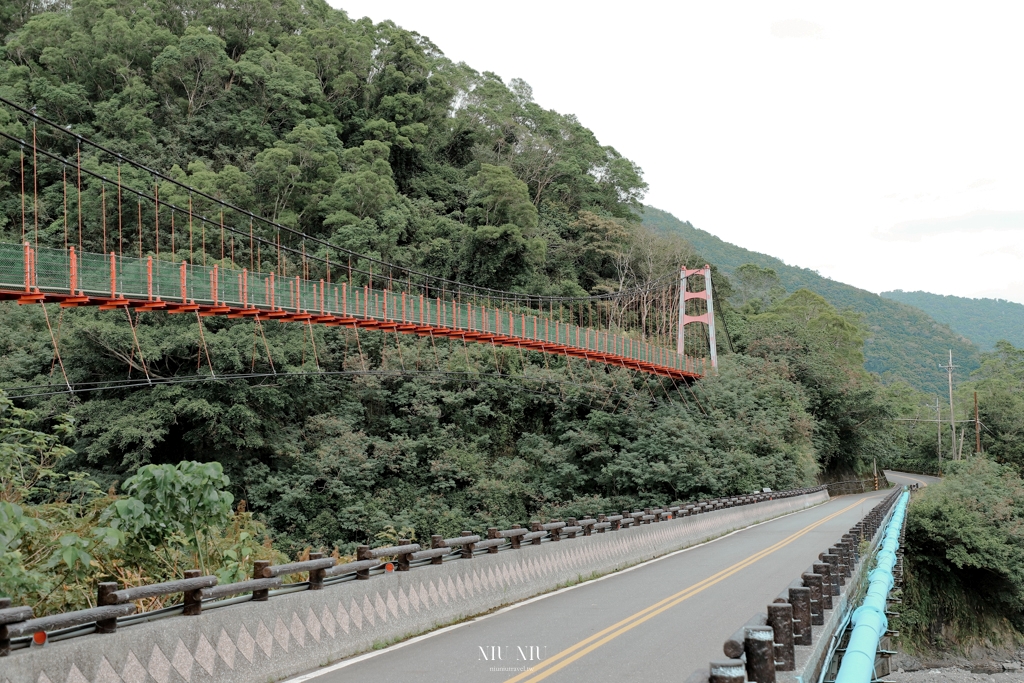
x=370, y=655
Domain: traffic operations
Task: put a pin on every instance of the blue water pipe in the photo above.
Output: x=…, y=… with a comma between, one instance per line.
x=869, y=622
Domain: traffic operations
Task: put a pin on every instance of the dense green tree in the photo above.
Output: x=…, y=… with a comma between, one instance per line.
x=755, y=288
x=1000, y=386
x=965, y=557
x=823, y=349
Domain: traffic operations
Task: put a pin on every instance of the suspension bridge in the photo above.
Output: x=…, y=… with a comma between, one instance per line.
x=125, y=247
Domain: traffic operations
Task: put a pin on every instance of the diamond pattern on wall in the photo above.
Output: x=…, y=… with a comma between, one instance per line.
x=264, y=638
x=357, y=614
x=226, y=649
x=414, y=598
x=43, y=678
x=313, y=625
x=281, y=634
x=403, y=601
x=342, y=614
x=183, y=661
x=104, y=673
x=382, y=610
x=245, y=643
x=297, y=630
x=451, y=588
x=205, y=655
x=133, y=671
x=159, y=666
x=425, y=596
x=327, y=619
x=368, y=610
x=392, y=604
x=75, y=676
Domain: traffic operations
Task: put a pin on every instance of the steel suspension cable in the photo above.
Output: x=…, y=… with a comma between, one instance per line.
x=279, y=227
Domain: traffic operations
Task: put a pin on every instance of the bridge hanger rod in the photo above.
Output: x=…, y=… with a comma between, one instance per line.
x=269, y=243
x=497, y=293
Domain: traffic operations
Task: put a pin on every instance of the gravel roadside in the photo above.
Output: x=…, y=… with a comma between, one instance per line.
x=954, y=675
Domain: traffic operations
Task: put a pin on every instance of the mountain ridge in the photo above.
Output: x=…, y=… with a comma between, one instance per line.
x=983, y=321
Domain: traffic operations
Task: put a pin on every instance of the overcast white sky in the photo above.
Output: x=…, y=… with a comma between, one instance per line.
x=881, y=144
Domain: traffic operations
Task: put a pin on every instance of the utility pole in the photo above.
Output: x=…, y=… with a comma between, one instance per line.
x=938, y=427
x=952, y=416
x=977, y=427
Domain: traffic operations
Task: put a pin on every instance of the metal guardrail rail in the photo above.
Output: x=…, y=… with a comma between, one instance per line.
x=855, y=486
x=115, y=608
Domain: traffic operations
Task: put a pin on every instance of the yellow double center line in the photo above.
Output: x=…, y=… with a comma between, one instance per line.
x=587, y=645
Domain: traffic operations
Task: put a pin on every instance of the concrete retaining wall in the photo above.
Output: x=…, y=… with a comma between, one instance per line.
x=289, y=634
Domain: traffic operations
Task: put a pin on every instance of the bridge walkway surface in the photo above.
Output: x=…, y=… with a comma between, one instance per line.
x=658, y=621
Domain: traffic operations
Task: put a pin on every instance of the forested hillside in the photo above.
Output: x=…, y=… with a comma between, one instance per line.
x=367, y=136
x=983, y=321
x=904, y=343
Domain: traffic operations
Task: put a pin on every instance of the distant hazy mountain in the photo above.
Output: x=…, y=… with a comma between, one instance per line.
x=905, y=342
x=983, y=321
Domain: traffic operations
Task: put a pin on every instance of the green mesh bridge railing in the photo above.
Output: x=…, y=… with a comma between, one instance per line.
x=70, y=278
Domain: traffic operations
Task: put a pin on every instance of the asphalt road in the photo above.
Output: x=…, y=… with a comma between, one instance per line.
x=907, y=478
x=659, y=621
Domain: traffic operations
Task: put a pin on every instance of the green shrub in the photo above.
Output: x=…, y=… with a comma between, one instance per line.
x=965, y=558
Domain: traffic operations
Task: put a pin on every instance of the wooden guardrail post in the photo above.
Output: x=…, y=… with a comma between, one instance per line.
x=813, y=582
x=516, y=538
x=800, y=599
x=728, y=671
x=759, y=648
x=362, y=555
x=824, y=570
x=103, y=595
x=851, y=542
x=402, y=559
x=193, y=600
x=257, y=573
x=569, y=523
x=467, y=548
x=437, y=541
x=781, y=617
x=492, y=533
x=316, y=576
x=833, y=570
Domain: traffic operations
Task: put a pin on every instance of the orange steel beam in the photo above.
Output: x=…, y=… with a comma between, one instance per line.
x=133, y=284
